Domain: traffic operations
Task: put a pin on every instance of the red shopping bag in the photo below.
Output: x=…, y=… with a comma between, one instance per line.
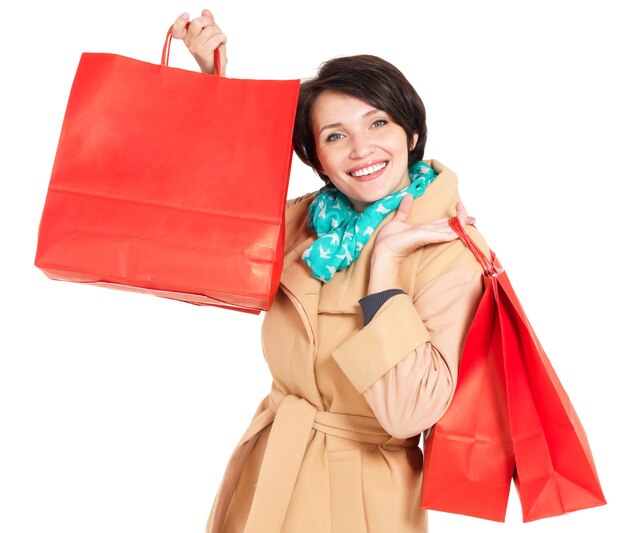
x=468, y=454
x=510, y=418
x=170, y=182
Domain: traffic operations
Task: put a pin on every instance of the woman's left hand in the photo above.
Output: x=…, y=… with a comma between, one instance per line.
x=397, y=239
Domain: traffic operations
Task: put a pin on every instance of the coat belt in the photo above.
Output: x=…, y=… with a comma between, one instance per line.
x=294, y=421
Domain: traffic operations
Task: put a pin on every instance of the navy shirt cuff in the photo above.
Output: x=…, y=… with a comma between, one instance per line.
x=371, y=303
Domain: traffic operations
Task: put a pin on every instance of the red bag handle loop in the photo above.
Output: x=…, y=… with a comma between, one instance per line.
x=488, y=264
x=165, y=56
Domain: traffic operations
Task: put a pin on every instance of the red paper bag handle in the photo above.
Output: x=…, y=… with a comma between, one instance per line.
x=165, y=56
x=488, y=265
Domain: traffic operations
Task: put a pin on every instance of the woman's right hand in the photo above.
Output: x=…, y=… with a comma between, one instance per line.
x=202, y=37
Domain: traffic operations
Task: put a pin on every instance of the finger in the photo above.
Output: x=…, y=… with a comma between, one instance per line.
x=208, y=14
x=179, y=27
x=210, y=39
x=199, y=23
x=439, y=221
x=437, y=236
x=404, y=209
x=432, y=226
x=206, y=50
x=439, y=231
x=466, y=219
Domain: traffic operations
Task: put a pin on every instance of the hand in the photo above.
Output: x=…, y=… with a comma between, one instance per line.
x=397, y=239
x=202, y=36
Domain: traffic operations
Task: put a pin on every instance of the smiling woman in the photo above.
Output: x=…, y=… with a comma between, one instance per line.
x=364, y=336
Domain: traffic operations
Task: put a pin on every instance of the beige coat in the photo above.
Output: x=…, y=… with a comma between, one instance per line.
x=334, y=447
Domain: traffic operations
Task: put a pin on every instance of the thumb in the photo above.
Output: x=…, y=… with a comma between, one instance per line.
x=404, y=209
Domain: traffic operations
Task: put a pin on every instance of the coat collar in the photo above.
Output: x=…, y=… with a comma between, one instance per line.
x=438, y=201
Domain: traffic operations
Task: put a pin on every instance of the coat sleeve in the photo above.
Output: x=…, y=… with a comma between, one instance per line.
x=405, y=360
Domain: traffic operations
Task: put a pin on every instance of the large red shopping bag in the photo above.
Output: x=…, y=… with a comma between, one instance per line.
x=555, y=472
x=509, y=418
x=170, y=182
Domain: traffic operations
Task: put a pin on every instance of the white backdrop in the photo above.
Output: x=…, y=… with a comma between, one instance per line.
x=118, y=411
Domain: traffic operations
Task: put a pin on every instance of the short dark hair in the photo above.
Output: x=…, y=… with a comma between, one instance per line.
x=372, y=80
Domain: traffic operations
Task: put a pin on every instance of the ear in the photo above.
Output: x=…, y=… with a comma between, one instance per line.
x=415, y=137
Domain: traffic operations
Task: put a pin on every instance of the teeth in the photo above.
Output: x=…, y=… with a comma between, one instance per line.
x=368, y=170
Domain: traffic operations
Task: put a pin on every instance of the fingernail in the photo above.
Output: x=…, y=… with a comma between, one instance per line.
x=185, y=16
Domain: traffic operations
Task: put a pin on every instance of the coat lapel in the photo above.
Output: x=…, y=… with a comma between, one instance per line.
x=296, y=277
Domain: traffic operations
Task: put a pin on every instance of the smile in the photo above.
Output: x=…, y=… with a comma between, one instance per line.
x=370, y=172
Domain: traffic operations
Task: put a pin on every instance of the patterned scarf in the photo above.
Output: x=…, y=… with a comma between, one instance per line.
x=343, y=232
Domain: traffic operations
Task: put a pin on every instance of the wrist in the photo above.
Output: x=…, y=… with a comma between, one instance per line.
x=384, y=275
x=384, y=259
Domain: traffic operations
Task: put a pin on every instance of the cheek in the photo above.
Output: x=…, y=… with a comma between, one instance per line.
x=397, y=142
x=399, y=145
x=329, y=161
x=322, y=156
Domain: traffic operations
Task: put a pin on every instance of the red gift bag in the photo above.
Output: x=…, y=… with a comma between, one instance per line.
x=509, y=418
x=170, y=182
x=468, y=454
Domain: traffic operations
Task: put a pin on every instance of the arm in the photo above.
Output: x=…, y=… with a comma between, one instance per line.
x=405, y=360
x=414, y=395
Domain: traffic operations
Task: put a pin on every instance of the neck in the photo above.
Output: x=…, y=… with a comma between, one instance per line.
x=359, y=207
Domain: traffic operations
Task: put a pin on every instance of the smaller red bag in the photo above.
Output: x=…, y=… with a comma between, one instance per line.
x=509, y=418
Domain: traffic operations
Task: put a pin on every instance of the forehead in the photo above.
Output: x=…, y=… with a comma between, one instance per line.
x=331, y=107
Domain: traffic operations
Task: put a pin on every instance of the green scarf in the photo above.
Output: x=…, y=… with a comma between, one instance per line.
x=343, y=232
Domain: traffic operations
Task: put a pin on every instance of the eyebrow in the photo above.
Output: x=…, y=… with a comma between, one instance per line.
x=335, y=124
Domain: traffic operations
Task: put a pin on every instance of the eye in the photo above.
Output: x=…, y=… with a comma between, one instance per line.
x=379, y=122
x=333, y=137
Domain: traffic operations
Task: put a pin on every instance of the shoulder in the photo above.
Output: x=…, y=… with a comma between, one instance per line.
x=296, y=219
x=435, y=260
x=293, y=201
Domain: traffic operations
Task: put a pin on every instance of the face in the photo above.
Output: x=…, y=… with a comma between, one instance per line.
x=360, y=148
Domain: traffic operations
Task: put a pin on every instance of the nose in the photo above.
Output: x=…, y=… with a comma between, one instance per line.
x=361, y=147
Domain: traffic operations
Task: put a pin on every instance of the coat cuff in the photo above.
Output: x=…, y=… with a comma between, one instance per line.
x=395, y=330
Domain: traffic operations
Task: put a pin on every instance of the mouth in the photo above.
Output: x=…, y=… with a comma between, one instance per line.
x=370, y=172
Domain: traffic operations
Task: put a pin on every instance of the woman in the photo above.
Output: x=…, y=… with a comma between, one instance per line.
x=364, y=336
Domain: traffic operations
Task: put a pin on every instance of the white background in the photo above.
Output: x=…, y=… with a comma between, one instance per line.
x=118, y=411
